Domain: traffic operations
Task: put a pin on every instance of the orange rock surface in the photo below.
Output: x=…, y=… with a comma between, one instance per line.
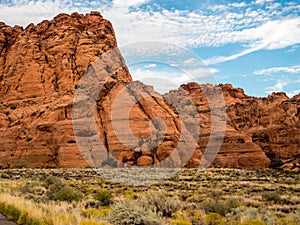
x=41, y=67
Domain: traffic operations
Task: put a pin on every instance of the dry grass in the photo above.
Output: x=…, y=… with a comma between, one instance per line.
x=227, y=196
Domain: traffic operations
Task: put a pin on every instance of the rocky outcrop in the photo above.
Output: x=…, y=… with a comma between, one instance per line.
x=39, y=68
x=260, y=132
x=52, y=71
x=40, y=71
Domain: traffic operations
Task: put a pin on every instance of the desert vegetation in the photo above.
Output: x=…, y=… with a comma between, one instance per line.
x=191, y=197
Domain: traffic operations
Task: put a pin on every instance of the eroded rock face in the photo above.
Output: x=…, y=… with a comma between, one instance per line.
x=39, y=69
x=42, y=68
x=260, y=132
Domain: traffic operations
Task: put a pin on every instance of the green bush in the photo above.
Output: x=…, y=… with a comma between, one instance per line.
x=52, y=180
x=271, y=197
x=219, y=206
x=129, y=212
x=161, y=203
x=104, y=197
x=23, y=219
x=12, y=212
x=54, y=185
x=67, y=194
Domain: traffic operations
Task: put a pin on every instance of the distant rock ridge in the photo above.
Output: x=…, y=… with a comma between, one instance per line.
x=41, y=65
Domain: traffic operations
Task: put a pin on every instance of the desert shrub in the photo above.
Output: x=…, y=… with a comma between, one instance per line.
x=159, y=202
x=242, y=214
x=289, y=180
x=192, y=215
x=214, y=219
x=271, y=197
x=54, y=185
x=5, y=176
x=131, y=213
x=219, y=206
x=104, y=197
x=23, y=219
x=67, y=194
x=12, y=212
x=19, y=164
x=253, y=222
x=52, y=180
x=180, y=222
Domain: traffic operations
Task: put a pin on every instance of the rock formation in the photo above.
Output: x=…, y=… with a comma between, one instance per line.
x=260, y=132
x=42, y=68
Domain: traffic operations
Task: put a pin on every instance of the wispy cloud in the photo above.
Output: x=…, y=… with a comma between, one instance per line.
x=245, y=24
x=271, y=35
x=250, y=25
x=287, y=69
x=278, y=87
x=293, y=93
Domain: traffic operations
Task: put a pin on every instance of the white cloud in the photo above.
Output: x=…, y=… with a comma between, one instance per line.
x=220, y=59
x=128, y=3
x=287, y=69
x=278, y=87
x=164, y=80
x=238, y=4
x=252, y=26
x=259, y=2
x=271, y=35
x=293, y=93
x=152, y=65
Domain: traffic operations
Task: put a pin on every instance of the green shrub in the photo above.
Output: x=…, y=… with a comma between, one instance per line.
x=67, y=194
x=52, y=180
x=104, y=197
x=161, y=203
x=271, y=197
x=129, y=212
x=23, y=219
x=54, y=185
x=12, y=212
x=219, y=206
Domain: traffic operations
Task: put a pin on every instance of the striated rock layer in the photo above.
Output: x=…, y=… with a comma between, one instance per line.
x=43, y=66
x=260, y=132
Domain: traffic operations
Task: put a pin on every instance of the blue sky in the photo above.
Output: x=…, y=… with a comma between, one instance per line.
x=254, y=44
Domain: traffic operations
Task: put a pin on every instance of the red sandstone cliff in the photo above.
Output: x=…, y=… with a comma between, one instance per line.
x=40, y=69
